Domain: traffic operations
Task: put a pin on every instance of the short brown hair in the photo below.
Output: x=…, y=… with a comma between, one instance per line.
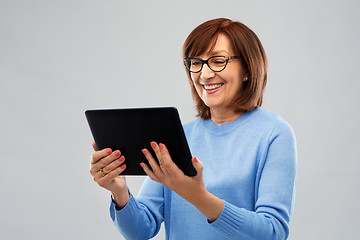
x=246, y=46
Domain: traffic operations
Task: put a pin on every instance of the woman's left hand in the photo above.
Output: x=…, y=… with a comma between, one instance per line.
x=168, y=173
x=191, y=189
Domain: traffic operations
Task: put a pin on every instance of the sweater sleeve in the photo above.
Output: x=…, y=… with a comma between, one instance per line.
x=141, y=218
x=275, y=193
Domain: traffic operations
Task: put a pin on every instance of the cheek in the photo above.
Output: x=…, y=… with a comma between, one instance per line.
x=194, y=77
x=195, y=85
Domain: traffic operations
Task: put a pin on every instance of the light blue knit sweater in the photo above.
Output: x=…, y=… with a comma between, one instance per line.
x=250, y=163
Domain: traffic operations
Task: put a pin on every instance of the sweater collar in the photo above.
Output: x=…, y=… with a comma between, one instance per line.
x=224, y=128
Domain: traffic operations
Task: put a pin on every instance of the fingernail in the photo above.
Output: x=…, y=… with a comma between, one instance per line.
x=122, y=158
x=161, y=146
x=144, y=151
x=108, y=151
x=153, y=144
x=117, y=153
x=142, y=165
x=123, y=166
x=196, y=159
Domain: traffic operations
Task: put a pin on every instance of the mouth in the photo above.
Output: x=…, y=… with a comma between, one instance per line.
x=211, y=87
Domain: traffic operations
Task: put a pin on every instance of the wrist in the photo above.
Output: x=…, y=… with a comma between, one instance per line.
x=198, y=196
x=120, y=198
x=208, y=204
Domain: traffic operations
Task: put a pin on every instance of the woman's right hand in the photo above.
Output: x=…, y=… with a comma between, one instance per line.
x=106, y=165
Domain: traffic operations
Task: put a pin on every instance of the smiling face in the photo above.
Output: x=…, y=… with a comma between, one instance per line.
x=219, y=89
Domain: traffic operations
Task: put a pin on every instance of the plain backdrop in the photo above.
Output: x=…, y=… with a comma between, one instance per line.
x=59, y=58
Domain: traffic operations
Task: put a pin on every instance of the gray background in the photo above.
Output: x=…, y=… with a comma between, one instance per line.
x=59, y=58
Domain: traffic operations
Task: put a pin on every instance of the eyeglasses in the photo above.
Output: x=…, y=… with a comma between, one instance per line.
x=215, y=63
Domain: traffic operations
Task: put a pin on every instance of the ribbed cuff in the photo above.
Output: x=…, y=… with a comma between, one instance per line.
x=230, y=220
x=126, y=207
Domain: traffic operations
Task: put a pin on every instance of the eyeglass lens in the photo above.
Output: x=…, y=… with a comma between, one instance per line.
x=216, y=64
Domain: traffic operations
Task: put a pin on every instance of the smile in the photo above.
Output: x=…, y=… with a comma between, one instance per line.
x=212, y=86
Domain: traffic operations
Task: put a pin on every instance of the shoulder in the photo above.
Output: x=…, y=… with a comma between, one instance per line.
x=268, y=125
x=277, y=127
x=267, y=116
x=271, y=120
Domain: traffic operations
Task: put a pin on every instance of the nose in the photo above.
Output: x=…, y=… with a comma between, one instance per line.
x=207, y=73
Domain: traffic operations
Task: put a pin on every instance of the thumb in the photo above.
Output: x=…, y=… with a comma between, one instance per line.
x=199, y=166
x=94, y=146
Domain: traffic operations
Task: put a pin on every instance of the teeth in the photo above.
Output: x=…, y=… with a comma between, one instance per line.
x=213, y=86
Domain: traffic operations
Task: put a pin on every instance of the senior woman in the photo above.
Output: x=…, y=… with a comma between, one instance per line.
x=245, y=182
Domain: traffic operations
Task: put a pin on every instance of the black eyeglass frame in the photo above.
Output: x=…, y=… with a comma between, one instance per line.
x=207, y=63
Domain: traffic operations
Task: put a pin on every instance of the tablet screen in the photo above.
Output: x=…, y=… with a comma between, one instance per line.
x=130, y=130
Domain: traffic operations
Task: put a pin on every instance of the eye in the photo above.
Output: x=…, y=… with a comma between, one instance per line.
x=195, y=62
x=218, y=60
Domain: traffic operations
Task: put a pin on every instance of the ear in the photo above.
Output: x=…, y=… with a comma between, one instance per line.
x=246, y=77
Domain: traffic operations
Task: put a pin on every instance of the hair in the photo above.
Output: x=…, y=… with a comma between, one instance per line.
x=246, y=46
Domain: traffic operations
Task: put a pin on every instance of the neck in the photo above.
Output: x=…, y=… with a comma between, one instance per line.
x=224, y=116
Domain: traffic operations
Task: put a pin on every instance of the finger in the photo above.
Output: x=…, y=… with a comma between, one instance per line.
x=168, y=166
x=163, y=164
x=150, y=173
x=199, y=167
x=94, y=146
x=153, y=164
x=108, y=178
x=114, y=164
x=157, y=151
x=103, y=162
x=98, y=175
x=101, y=174
x=114, y=173
x=97, y=155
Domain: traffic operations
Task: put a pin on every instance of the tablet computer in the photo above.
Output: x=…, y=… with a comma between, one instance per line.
x=131, y=130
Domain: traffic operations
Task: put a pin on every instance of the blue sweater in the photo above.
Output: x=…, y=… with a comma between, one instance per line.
x=249, y=163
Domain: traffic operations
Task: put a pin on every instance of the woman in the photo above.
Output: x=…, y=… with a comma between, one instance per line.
x=245, y=184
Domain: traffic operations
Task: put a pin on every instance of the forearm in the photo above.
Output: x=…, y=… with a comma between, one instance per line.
x=135, y=220
x=121, y=198
x=236, y=222
x=239, y=223
x=142, y=218
x=208, y=204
